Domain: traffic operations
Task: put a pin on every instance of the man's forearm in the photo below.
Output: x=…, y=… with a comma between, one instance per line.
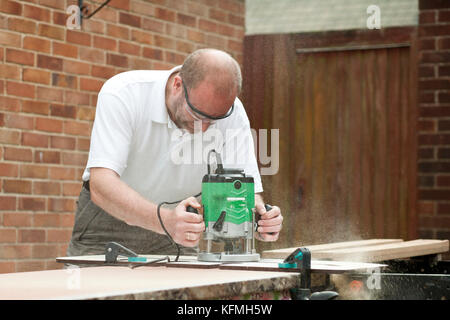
x=118, y=199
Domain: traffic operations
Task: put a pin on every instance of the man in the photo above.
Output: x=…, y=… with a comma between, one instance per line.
x=130, y=169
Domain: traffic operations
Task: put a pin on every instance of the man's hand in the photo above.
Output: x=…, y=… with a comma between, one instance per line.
x=270, y=223
x=184, y=227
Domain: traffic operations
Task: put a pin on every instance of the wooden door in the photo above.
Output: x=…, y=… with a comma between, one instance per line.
x=347, y=147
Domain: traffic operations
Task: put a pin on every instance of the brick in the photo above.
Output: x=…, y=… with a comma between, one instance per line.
x=83, y=144
x=8, y=136
x=22, y=25
x=20, y=57
x=426, y=181
x=439, y=84
x=36, y=75
x=18, y=121
x=78, y=37
x=67, y=220
x=434, y=112
x=10, y=71
x=107, y=14
x=17, y=219
x=46, y=188
x=36, y=44
x=48, y=62
x=94, y=26
x=76, y=67
x=236, y=20
x=118, y=31
x=120, y=4
x=444, y=16
x=15, y=251
x=196, y=36
x=64, y=49
x=46, y=220
x=59, y=235
x=61, y=205
x=44, y=251
x=29, y=265
x=34, y=140
x=207, y=25
x=17, y=154
x=129, y=48
x=444, y=71
x=142, y=37
x=444, y=125
x=434, y=139
x=90, y=84
x=231, y=6
x=41, y=156
x=10, y=39
x=16, y=186
x=152, y=53
x=71, y=189
x=435, y=57
x=117, y=60
x=130, y=19
x=176, y=30
x=436, y=167
x=174, y=58
x=433, y=4
x=11, y=7
x=217, y=14
x=186, y=47
x=49, y=125
x=31, y=235
x=65, y=111
x=95, y=56
x=32, y=204
x=104, y=72
x=187, y=20
x=7, y=267
x=9, y=170
x=165, y=14
x=33, y=171
x=8, y=235
x=433, y=31
x=105, y=43
x=154, y=25
x=60, y=18
x=74, y=158
x=50, y=94
x=434, y=194
x=64, y=173
x=164, y=42
x=444, y=208
x=32, y=106
x=443, y=181
x=443, y=43
x=63, y=80
x=7, y=202
x=36, y=13
x=57, y=142
x=77, y=98
x=57, y=4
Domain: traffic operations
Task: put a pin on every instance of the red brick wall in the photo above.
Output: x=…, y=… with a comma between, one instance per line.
x=49, y=79
x=434, y=121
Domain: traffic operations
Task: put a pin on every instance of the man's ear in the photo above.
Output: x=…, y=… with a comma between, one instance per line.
x=177, y=82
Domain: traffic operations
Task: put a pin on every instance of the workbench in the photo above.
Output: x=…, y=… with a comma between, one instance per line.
x=190, y=279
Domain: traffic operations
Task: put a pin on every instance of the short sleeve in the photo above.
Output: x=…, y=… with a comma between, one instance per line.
x=111, y=134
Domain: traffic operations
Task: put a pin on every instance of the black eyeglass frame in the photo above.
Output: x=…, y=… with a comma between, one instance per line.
x=202, y=113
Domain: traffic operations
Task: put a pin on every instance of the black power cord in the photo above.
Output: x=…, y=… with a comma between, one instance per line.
x=164, y=228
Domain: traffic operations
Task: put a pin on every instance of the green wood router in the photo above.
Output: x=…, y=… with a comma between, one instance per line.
x=228, y=198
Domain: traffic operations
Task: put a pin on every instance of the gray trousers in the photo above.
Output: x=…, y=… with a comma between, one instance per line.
x=94, y=228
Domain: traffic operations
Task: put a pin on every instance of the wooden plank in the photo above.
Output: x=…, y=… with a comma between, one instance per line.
x=283, y=253
x=388, y=251
x=317, y=266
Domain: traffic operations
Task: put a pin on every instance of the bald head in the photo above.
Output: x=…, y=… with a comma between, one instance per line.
x=215, y=67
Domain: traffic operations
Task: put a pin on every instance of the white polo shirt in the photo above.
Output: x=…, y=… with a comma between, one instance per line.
x=134, y=136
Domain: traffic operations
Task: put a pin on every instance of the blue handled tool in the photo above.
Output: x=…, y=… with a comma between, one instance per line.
x=301, y=259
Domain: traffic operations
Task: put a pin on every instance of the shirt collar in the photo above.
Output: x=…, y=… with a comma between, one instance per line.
x=159, y=112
